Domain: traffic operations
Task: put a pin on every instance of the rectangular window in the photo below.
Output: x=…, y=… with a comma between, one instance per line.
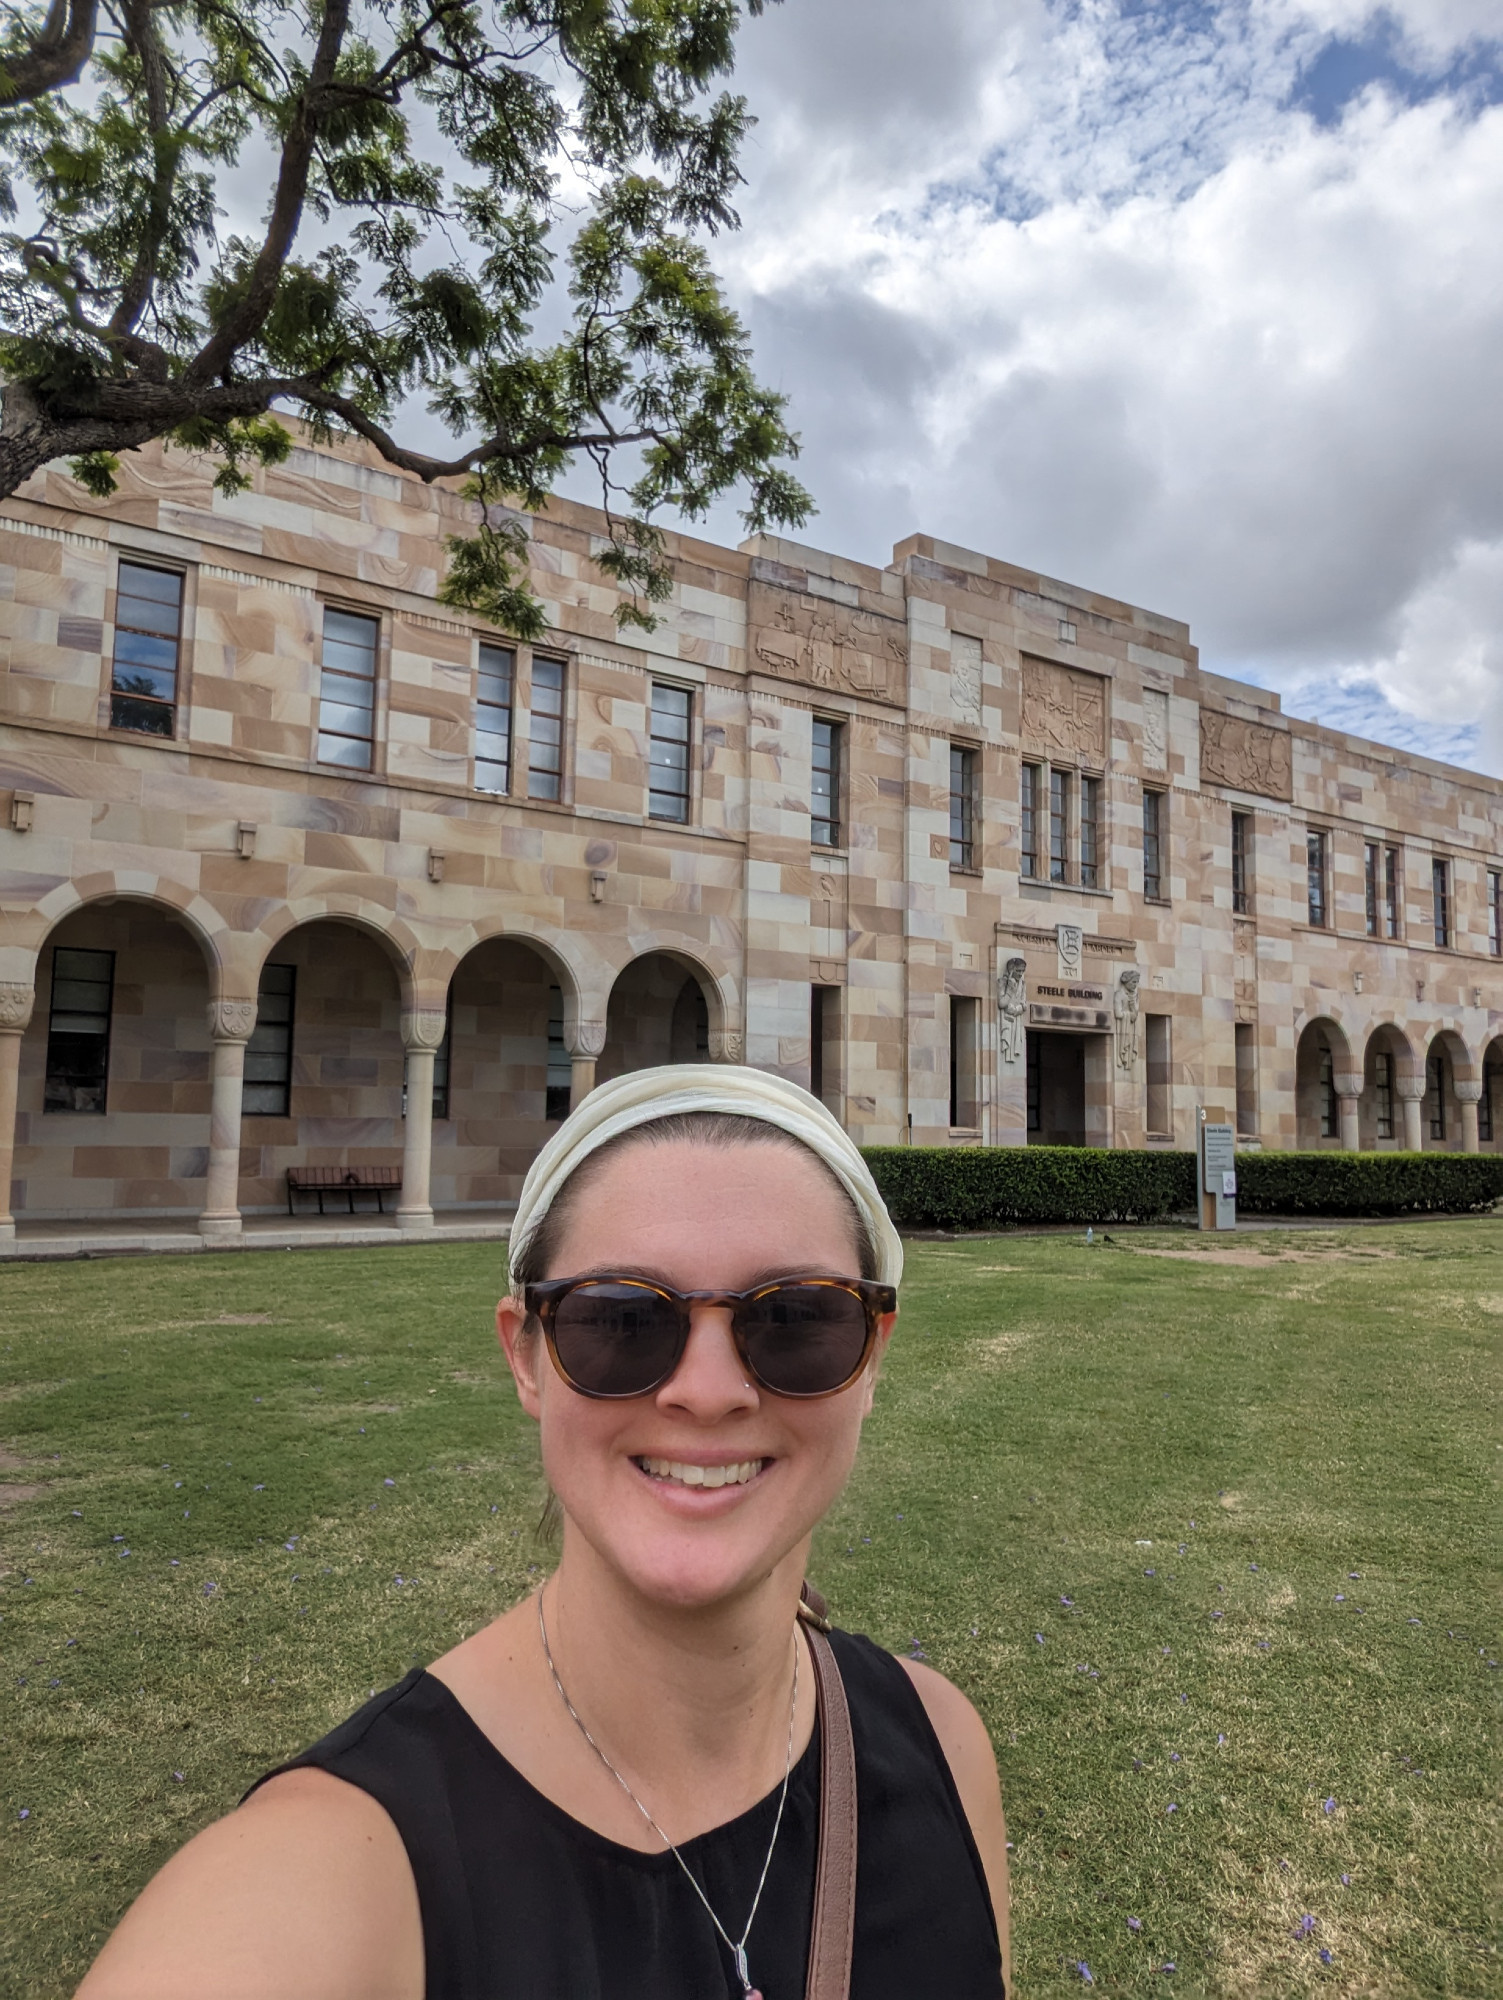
x=1492, y=1081
x=1059, y=826
x=1241, y=864
x=1032, y=783
x=668, y=781
x=965, y=1114
x=1383, y=1093
x=1435, y=1080
x=494, y=685
x=1372, y=886
x=347, y=690
x=824, y=786
x=962, y=807
x=1391, y=879
x=1495, y=912
x=545, y=749
x=1440, y=889
x=1034, y=1086
x=148, y=627
x=1090, y=833
x=1315, y=878
x=1244, y=1036
x=824, y=1044
x=1153, y=846
x=1157, y=1049
x=1330, y=1122
x=268, y=1053
x=78, y=1030
x=441, y=1058
x=560, y=1080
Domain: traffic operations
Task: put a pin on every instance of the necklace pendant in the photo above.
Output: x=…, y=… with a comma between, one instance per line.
x=749, y=1992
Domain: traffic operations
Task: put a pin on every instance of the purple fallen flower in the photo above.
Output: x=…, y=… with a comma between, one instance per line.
x=1346, y=1881
x=1171, y=1808
x=1341, y=1597
x=178, y=1776
x=291, y=1547
x=1354, y=1576
x=1305, y=1925
x=24, y=1813
x=1168, y=1965
x=258, y=1489
x=1330, y=1805
x=1085, y=1973
x=1220, y=1739
x=1283, y=1863
x=210, y=1588
x=1150, y=1572
x=1067, y=1600
x=1040, y=1637
x=1325, y=1954
x=1217, y=1614
x=1166, y=1649
x=1173, y=1756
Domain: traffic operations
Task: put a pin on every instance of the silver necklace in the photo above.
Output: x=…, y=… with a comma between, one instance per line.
x=737, y=1951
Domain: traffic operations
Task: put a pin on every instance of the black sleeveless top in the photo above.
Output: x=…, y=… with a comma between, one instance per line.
x=520, y=1901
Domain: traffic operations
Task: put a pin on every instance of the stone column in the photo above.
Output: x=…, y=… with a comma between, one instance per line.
x=1348, y=1097
x=15, y=1011
x=422, y=1033
x=1411, y=1091
x=584, y=1043
x=1468, y=1096
x=231, y=1023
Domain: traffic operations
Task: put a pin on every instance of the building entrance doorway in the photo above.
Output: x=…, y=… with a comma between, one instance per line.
x=1056, y=1089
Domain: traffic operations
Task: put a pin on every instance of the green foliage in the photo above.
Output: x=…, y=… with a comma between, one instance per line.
x=574, y=147
x=988, y=1187
x=1368, y=1183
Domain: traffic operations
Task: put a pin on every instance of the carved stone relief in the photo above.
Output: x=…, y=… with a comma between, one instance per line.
x=15, y=1004
x=424, y=1029
x=588, y=1038
x=232, y=1020
x=725, y=1045
x=965, y=678
x=1070, y=943
x=1125, y=1016
x=1064, y=710
x=1248, y=756
x=1012, y=1011
x=803, y=638
x=1155, y=729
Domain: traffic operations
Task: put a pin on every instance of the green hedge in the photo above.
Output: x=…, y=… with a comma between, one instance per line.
x=1367, y=1183
x=987, y=1187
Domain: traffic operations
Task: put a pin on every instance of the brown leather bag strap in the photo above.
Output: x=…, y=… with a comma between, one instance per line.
x=834, y=1929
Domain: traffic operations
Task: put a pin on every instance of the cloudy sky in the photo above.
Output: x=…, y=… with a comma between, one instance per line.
x=1202, y=307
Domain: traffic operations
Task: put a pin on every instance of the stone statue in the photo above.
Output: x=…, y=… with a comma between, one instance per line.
x=1125, y=1015
x=1012, y=1009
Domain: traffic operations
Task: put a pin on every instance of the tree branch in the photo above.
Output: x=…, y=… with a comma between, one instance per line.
x=494, y=451
x=245, y=319
x=56, y=56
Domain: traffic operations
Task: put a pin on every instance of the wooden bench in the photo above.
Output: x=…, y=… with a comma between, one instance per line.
x=348, y=1181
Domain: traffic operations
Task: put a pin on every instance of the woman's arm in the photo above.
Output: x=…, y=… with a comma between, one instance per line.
x=304, y=1893
x=968, y=1751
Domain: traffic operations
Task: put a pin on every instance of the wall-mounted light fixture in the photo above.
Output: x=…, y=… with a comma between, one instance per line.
x=597, y=887
x=435, y=864
x=22, y=805
x=245, y=840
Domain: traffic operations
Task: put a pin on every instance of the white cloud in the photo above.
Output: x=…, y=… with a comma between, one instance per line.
x=1082, y=290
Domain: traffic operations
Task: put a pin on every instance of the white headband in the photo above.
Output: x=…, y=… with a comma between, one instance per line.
x=644, y=1095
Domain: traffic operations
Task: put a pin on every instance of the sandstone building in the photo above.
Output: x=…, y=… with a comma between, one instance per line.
x=298, y=867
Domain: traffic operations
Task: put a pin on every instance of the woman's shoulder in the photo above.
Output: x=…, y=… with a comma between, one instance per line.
x=305, y=1888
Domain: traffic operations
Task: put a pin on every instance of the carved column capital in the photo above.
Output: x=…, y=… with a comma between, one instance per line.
x=16, y=1002
x=1346, y=1084
x=586, y=1038
x=725, y=1045
x=423, y=1028
x=1467, y=1093
x=232, y=1020
x=1411, y=1089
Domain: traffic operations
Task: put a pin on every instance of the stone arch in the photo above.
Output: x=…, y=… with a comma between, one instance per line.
x=1490, y=1103
x=1451, y=1076
x=29, y=931
x=1324, y=1074
x=584, y=975
x=721, y=994
x=666, y=1006
x=1389, y=1064
x=397, y=939
x=115, y=1067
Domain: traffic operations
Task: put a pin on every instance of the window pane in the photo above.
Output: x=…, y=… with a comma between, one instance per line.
x=78, y=1030
x=341, y=719
x=144, y=614
x=150, y=718
x=348, y=628
x=1090, y=819
x=352, y=754
x=162, y=585
x=824, y=784
x=268, y=1053
x=1059, y=826
x=1030, y=818
x=962, y=807
x=1153, y=861
x=1315, y=875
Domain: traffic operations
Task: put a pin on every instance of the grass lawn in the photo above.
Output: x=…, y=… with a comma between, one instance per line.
x=1207, y=1533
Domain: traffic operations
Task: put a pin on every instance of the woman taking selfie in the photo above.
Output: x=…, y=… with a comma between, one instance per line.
x=655, y=1779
